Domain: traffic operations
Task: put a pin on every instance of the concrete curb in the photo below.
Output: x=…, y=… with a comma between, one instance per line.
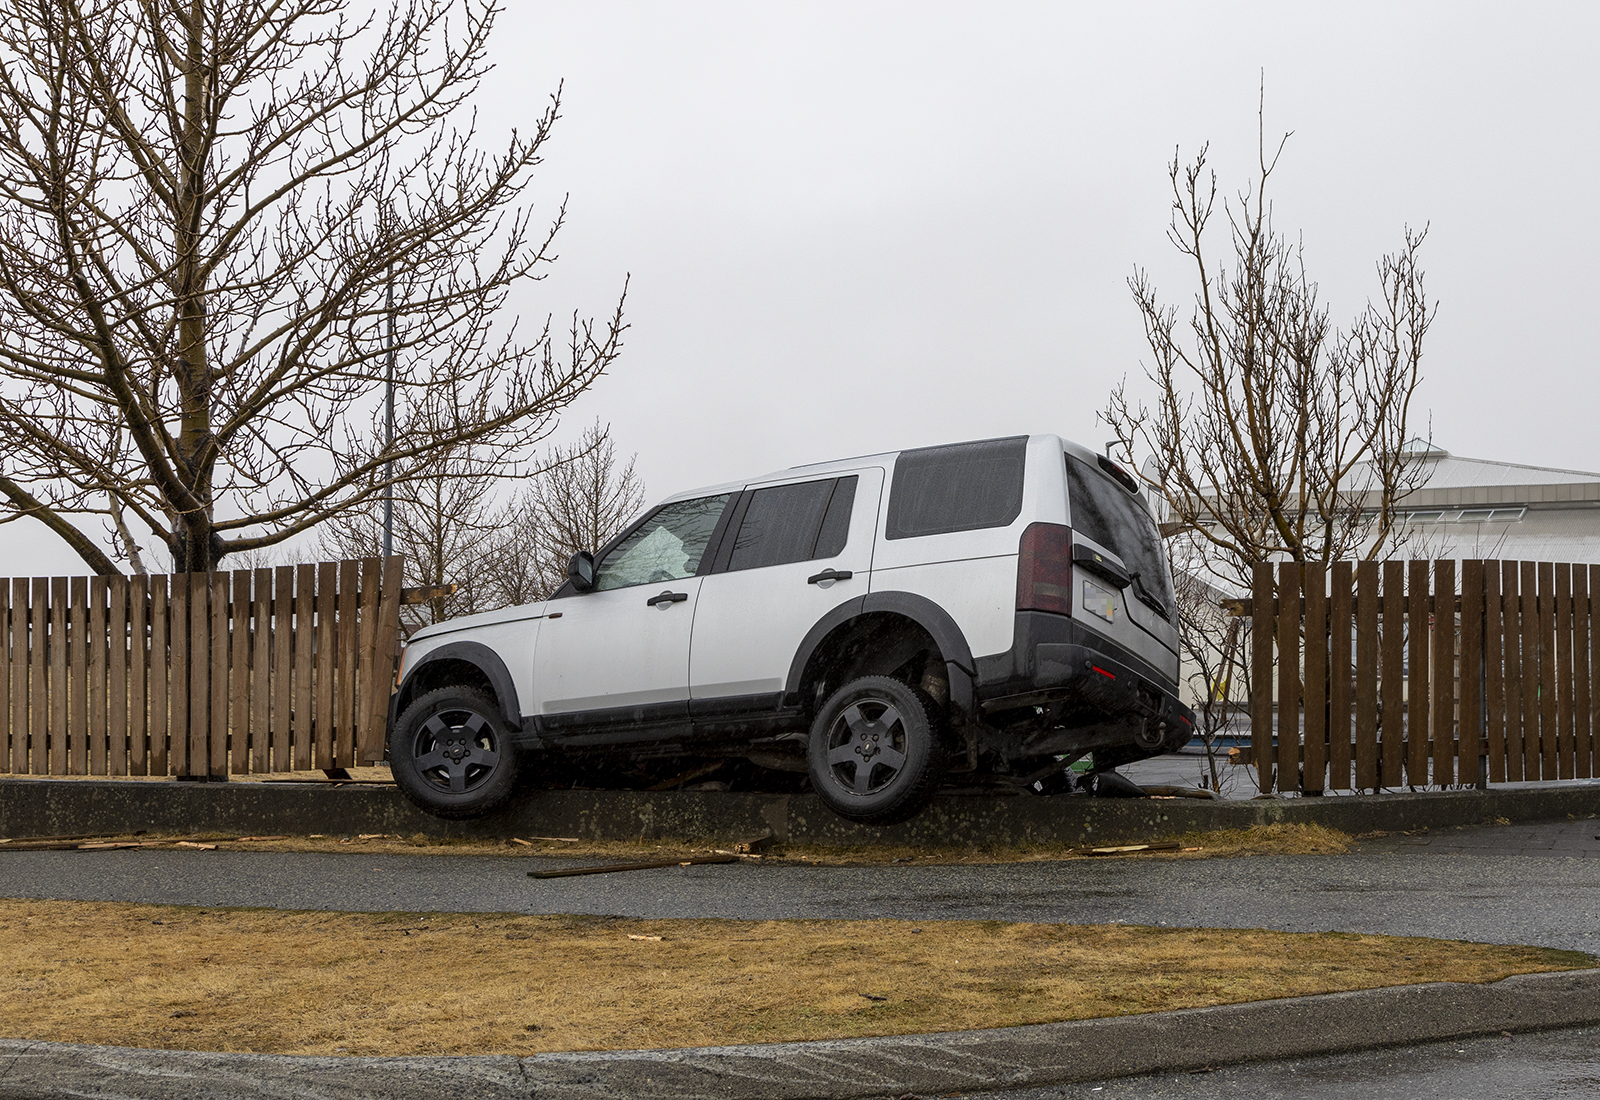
x=44, y=807
x=967, y=1061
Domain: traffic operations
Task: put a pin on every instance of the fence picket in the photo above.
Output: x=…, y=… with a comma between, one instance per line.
x=1529, y=659
x=346, y=658
x=38, y=681
x=386, y=648
x=1315, y=688
x=1583, y=690
x=1288, y=676
x=1548, y=741
x=138, y=671
x=5, y=675
x=305, y=584
x=57, y=736
x=367, y=678
x=1366, y=689
x=327, y=594
x=1339, y=624
x=117, y=676
x=239, y=732
x=1470, y=704
x=162, y=662
x=1443, y=641
x=283, y=668
x=1494, y=687
x=19, y=676
x=260, y=659
x=1566, y=752
x=1417, y=679
x=1261, y=631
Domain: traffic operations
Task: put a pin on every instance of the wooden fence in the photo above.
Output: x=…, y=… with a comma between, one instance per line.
x=1423, y=673
x=198, y=675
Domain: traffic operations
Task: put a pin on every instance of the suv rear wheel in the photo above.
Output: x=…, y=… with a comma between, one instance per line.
x=875, y=752
x=450, y=754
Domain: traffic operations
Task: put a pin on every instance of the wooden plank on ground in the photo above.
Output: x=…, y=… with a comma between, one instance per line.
x=1494, y=687
x=1339, y=625
x=386, y=645
x=1443, y=646
x=161, y=666
x=1366, y=686
x=1582, y=673
x=1315, y=765
x=117, y=675
x=282, y=668
x=368, y=678
x=1393, y=753
x=60, y=730
x=305, y=617
x=1470, y=705
x=1261, y=645
x=346, y=659
x=1417, y=616
x=218, y=734
x=1528, y=601
x=1566, y=749
x=260, y=660
x=240, y=735
x=138, y=675
x=99, y=649
x=1289, y=611
x=327, y=594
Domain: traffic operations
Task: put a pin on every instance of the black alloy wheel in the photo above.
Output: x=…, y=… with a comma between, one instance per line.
x=450, y=754
x=876, y=755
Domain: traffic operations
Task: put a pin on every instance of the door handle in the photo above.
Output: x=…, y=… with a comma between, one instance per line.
x=664, y=599
x=828, y=576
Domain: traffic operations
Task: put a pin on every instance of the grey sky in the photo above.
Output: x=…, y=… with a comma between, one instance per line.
x=857, y=227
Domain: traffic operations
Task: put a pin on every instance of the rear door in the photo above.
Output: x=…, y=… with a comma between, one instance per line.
x=795, y=551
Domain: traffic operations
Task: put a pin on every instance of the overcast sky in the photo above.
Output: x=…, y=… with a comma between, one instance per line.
x=859, y=227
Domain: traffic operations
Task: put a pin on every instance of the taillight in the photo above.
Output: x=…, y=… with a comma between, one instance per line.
x=1044, y=569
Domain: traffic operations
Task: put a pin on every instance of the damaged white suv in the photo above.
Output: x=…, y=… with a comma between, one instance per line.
x=883, y=623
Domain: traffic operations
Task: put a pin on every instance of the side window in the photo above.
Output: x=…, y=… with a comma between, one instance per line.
x=666, y=547
x=963, y=487
x=789, y=523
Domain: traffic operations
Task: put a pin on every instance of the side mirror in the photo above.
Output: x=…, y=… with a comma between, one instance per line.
x=580, y=571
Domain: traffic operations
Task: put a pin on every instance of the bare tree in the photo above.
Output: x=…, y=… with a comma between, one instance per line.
x=218, y=219
x=1273, y=434
x=581, y=502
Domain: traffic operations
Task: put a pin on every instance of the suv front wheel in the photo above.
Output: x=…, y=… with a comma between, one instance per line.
x=450, y=754
x=875, y=752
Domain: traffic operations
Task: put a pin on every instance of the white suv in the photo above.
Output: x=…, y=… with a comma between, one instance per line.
x=1002, y=606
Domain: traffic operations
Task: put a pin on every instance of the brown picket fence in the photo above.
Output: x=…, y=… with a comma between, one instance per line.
x=199, y=675
x=1380, y=675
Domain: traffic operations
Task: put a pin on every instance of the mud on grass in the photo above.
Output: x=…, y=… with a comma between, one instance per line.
x=1256, y=840
x=399, y=983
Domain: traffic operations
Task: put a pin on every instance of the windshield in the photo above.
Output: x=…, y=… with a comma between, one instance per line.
x=1116, y=519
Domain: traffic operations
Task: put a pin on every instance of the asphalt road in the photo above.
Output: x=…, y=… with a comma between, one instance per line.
x=1524, y=885
x=1553, y=1065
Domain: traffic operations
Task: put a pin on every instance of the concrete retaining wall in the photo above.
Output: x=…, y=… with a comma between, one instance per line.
x=46, y=807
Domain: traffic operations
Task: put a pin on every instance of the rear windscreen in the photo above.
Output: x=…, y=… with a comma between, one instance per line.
x=964, y=487
x=1116, y=519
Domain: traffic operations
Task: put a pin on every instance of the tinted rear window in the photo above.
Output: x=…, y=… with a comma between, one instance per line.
x=1117, y=520
x=964, y=487
x=789, y=523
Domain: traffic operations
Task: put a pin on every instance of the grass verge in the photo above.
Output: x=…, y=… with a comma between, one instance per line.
x=390, y=984
x=1256, y=840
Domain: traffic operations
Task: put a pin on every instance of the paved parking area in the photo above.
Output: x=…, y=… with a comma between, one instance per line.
x=1575, y=839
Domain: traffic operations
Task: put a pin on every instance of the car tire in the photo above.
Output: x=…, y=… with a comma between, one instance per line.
x=876, y=753
x=450, y=753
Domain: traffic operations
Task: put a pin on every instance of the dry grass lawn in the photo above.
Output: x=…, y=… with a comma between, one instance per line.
x=389, y=984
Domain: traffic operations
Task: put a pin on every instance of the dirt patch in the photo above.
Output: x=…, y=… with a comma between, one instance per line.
x=1256, y=840
x=439, y=983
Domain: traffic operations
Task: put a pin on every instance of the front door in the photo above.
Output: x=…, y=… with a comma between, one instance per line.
x=617, y=657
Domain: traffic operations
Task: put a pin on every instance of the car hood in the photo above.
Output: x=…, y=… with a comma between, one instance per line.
x=485, y=618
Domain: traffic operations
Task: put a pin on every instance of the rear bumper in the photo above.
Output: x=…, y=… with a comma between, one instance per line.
x=1055, y=659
